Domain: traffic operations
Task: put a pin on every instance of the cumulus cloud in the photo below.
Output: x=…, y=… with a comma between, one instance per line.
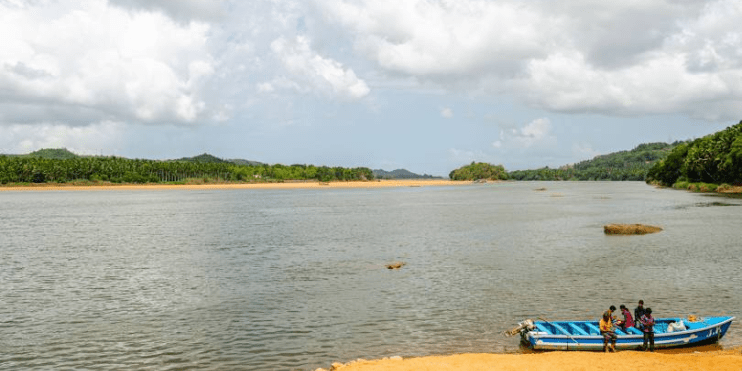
x=85, y=61
x=181, y=10
x=536, y=132
x=429, y=38
x=613, y=58
x=314, y=71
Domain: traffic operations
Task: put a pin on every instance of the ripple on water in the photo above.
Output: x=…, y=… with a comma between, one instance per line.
x=296, y=280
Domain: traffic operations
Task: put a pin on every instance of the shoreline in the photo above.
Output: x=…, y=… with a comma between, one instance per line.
x=273, y=186
x=722, y=360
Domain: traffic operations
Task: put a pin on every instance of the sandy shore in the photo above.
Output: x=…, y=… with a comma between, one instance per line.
x=286, y=185
x=720, y=360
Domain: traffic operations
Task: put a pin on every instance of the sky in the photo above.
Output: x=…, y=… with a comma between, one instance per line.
x=424, y=85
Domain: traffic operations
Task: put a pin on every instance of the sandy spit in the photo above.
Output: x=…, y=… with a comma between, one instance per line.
x=286, y=185
x=721, y=360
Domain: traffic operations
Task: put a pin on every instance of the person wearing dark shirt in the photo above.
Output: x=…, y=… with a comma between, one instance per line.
x=638, y=313
x=648, y=328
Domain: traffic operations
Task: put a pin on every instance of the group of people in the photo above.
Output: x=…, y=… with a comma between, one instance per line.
x=642, y=320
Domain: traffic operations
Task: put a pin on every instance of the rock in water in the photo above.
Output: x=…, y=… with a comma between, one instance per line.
x=395, y=265
x=630, y=229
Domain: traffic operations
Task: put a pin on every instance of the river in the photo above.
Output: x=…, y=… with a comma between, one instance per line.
x=296, y=279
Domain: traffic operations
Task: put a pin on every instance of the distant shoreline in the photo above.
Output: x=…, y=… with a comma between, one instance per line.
x=284, y=185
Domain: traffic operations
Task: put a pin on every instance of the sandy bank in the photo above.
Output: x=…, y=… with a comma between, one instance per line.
x=286, y=185
x=561, y=361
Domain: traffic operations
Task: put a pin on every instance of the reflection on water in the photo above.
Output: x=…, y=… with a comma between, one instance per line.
x=263, y=280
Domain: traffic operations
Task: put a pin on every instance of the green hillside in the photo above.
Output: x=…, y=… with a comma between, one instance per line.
x=204, y=158
x=53, y=153
x=715, y=159
x=623, y=165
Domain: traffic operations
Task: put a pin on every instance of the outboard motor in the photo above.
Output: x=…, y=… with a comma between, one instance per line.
x=526, y=325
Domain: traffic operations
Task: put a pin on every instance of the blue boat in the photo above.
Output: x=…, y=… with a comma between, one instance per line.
x=585, y=335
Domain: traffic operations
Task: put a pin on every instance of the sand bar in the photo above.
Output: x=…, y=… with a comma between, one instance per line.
x=285, y=185
x=721, y=360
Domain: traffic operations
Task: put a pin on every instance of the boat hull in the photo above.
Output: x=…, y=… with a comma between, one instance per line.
x=583, y=335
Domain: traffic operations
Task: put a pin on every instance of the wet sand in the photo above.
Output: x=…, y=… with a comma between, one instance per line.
x=285, y=185
x=721, y=360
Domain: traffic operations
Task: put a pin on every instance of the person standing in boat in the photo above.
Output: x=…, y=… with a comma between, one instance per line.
x=648, y=327
x=628, y=321
x=638, y=313
x=606, y=329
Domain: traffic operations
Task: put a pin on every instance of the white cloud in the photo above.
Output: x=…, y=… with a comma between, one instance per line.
x=316, y=71
x=447, y=112
x=534, y=133
x=614, y=58
x=181, y=10
x=86, y=61
x=101, y=138
x=443, y=37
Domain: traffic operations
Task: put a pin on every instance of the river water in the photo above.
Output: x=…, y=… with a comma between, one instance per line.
x=296, y=279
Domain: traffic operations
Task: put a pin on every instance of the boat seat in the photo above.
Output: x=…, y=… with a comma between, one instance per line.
x=577, y=329
x=561, y=329
x=541, y=328
x=594, y=330
x=634, y=331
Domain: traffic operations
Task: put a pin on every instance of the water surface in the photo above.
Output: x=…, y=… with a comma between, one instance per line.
x=295, y=279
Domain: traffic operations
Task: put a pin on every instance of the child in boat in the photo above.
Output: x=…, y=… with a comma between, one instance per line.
x=606, y=329
x=647, y=322
x=628, y=321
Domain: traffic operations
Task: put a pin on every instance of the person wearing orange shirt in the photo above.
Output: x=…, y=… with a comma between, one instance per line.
x=608, y=332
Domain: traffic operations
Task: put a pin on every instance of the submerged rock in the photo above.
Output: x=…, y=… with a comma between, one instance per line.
x=395, y=265
x=626, y=229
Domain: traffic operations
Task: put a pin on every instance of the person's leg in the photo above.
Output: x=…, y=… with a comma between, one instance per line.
x=646, y=338
x=613, y=341
x=605, y=341
x=651, y=341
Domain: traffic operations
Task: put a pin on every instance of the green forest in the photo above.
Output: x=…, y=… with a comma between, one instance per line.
x=479, y=171
x=62, y=166
x=714, y=159
x=623, y=165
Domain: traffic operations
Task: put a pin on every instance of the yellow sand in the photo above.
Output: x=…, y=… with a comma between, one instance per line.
x=286, y=185
x=721, y=360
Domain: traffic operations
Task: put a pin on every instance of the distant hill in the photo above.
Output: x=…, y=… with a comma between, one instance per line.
x=239, y=161
x=622, y=165
x=400, y=174
x=204, y=158
x=53, y=153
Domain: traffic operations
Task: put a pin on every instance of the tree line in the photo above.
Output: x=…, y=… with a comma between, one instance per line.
x=617, y=166
x=715, y=159
x=32, y=169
